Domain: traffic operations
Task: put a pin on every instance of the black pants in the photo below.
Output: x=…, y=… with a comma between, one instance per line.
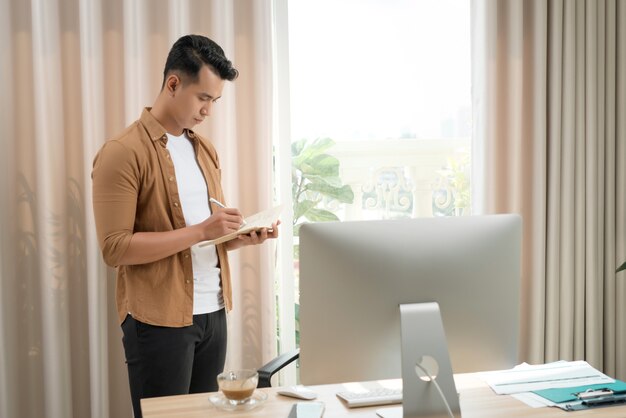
x=165, y=361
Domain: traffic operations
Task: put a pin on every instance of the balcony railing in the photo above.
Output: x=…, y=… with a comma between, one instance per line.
x=403, y=178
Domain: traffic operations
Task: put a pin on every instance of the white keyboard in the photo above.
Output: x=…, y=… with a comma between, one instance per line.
x=381, y=396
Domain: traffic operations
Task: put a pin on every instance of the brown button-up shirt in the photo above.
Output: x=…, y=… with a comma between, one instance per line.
x=135, y=189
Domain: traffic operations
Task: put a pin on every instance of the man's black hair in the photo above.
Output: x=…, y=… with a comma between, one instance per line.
x=191, y=52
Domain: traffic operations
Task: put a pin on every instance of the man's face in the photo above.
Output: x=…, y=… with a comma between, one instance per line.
x=193, y=101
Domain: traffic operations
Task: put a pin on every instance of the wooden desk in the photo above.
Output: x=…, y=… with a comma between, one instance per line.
x=477, y=401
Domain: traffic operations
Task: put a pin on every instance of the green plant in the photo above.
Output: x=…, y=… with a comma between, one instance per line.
x=459, y=180
x=315, y=178
x=456, y=176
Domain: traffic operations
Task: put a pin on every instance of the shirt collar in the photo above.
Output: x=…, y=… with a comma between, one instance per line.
x=155, y=130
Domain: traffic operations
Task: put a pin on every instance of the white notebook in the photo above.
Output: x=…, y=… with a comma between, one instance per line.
x=254, y=222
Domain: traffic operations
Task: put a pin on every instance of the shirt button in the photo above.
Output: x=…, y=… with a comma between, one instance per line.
x=171, y=178
x=176, y=204
x=187, y=280
x=186, y=255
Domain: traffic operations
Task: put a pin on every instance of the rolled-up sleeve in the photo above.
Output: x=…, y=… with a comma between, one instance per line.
x=115, y=181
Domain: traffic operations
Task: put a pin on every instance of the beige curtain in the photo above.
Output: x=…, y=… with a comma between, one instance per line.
x=76, y=72
x=549, y=86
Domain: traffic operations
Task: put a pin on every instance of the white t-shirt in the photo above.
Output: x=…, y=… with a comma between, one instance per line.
x=194, y=200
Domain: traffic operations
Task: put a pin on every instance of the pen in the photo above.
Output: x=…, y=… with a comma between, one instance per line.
x=603, y=400
x=217, y=202
x=221, y=205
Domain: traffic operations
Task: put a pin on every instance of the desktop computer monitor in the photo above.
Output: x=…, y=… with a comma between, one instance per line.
x=355, y=275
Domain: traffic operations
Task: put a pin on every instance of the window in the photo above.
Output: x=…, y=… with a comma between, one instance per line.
x=380, y=110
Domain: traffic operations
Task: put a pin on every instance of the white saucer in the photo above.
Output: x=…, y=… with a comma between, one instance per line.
x=222, y=402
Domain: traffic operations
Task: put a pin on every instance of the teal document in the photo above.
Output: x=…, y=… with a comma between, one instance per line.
x=562, y=395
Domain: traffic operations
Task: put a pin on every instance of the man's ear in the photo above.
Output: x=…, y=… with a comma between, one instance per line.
x=172, y=83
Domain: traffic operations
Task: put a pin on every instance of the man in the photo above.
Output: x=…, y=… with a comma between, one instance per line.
x=151, y=189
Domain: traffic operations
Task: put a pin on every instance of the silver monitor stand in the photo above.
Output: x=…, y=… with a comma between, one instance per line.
x=424, y=357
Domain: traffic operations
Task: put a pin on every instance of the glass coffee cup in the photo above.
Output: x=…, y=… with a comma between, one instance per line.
x=238, y=385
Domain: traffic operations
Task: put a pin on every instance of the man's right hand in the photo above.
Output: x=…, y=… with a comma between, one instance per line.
x=221, y=222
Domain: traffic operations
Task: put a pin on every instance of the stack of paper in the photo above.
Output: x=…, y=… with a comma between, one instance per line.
x=552, y=384
x=560, y=374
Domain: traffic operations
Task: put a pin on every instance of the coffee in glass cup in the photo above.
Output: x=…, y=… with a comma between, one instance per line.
x=238, y=385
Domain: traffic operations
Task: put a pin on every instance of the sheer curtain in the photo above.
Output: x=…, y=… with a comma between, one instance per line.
x=76, y=72
x=549, y=81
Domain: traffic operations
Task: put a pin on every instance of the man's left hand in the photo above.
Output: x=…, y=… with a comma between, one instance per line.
x=254, y=237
